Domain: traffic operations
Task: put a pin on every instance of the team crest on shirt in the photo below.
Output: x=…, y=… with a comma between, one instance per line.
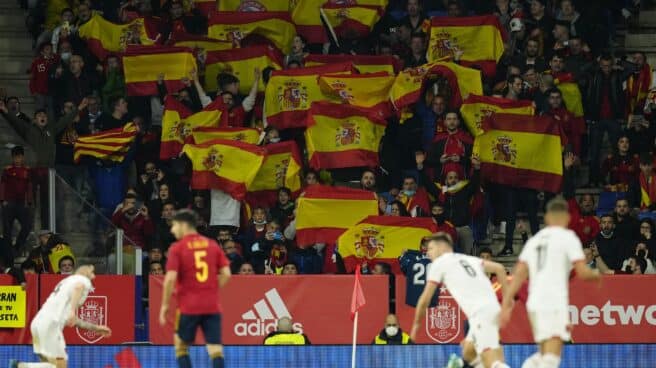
x=444, y=45
x=443, y=321
x=370, y=244
x=505, y=150
x=281, y=172
x=292, y=95
x=94, y=310
x=213, y=161
x=251, y=6
x=348, y=133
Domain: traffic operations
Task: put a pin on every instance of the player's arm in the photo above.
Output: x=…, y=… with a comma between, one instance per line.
x=520, y=274
x=72, y=320
x=498, y=270
x=422, y=305
x=224, y=275
x=586, y=273
x=167, y=291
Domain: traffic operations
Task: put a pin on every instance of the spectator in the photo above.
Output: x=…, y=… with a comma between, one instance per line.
x=42, y=255
x=626, y=225
x=283, y=211
x=119, y=116
x=66, y=265
x=397, y=208
x=14, y=107
x=155, y=254
x=16, y=197
x=285, y=334
x=439, y=216
x=298, y=51
x=163, y=236
x=642, y=192
x=368, y=180
x=532, y=56
x=276, y=250
x=541, y=23
x=200, y=206
x=646, y=235
x=39, y=73
x=311, y=177
x=573, y=128
x=392, y=333
x=7, y=268
x=515, y=87
x=246, y=269
x=65, y=28
x=486, y=254
x=417, y=56
x=232, y=252
x=414, y=198
x=164, y=196
x=155, y=268
x=415, y=18
x=74, y=83
x=433, y=121
x=89, y=119
x=583, y=220
x=450, y=151
x=641, y=252
x=608, y=244
x=620, y=169
x=638, y=83
x=114, y=83
x=289, y=268
x=133, y=218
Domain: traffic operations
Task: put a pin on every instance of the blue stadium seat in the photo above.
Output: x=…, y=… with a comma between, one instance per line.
x=607, y=201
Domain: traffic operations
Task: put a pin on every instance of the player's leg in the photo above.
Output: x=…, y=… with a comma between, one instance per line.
x=48, y=343
x=212, y=330
x=469, y=355
x=186, y=326
x=551, y=351
x=485, y=329
x=533, y=361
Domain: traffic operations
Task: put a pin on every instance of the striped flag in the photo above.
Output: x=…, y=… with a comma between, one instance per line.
x=475, y=108
x=351, y=21
x=241, y=63
x=276, y=27
x=110, y=145
x=281, y=168
x=143, y=64
x=370, y=90
x=362, y=63
x=246, y=135
x=104, y=37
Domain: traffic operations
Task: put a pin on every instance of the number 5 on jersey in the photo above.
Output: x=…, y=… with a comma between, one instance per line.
x=202, y=268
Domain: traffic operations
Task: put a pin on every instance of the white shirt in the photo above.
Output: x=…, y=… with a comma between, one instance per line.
x=466, y=280
x=58, y=305
x=549, y=256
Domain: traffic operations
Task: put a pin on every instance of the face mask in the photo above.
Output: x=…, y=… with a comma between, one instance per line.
x=440, y=218
x=274, y=140
x=263, y=222
x=65, y=56
x=391, y=330
x=409, y=193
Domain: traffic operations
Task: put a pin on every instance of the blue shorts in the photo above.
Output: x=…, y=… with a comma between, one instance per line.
x=188, y=325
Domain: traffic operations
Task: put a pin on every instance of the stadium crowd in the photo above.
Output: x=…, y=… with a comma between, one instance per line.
x=426, y=165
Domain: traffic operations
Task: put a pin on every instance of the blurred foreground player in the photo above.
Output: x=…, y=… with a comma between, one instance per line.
x=198, y=267
x=60, y=310
x=547, y=260
x=466, y=279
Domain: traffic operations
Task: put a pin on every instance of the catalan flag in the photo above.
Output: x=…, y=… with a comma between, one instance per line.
x=276, y=27
x=205, y=134
x=521, y=151
x=110, y=145
x=178, y=122
x=475, y=108
x=479, y=37
x=241, y=63
x=254, y=5
x=229, y=166
x=369, y=90
x=324, y=213
x=104, y=37
x=409, y=83
x=362, y=63
x=281, y=168
x=143, y=64
x=382, y=239
x=350, y=20
x=290, y=93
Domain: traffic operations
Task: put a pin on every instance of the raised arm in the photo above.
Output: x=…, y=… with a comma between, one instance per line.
x=249, y=101
x=19, y=125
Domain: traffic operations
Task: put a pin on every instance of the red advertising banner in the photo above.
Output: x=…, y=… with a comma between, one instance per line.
x=16, y=336
x=318, y=305
x=111, y=302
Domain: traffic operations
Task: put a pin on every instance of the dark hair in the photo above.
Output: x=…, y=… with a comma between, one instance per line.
x=169, y=203
x=113, y=102
x=65, y=10
x=403, y=212
x=558, y=204
x=28, y=265
x=291, y=263
x=368, y=170
x=65, y=258
x=607, y=215
x=155, y=262
x=440, y=237
x=17, y=151
x=647, y=221
x=266, y=74
x=554, y=90
x=421, y=35
x=224, y=79
x=186, y=216
x=640, y=261
x=387, y=269
x=285, y=190
x=485, y=250
x=511, y=78
x=38, y=111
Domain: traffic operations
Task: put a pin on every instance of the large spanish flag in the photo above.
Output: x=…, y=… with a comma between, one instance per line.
x=409, y=83
x=142, y=65
x=475, y=108
x=369, y=90
x=276, y=27
x=110, y=145
x=229, y=166
x=382, y=239
x=479, y=37
x=339, y=136
x=201, y=45
x=254, y=5
x=521, y=151
x=205, y=134
x=281, y=168
x=290, y=93
x=178, y=122
x=352, y=21
x=104, y=37
x=241, y=63
x=206, y=6
x=362, y=63
x=324, y=213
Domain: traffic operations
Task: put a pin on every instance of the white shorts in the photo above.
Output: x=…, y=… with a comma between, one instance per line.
x=484, y=330
x=48, y=339
x=547, y=324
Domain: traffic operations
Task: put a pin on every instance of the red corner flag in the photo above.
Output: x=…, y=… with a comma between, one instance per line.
x=357, y=300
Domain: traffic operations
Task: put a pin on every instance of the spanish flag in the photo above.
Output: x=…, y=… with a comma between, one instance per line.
x=281, y=168
x=104, y=37
x=276, y=27
x=200, y=45
x=290, y=93
x=142, y=65
x=254, y=5
x=571, y=94
x=241, y=63
x=178, y=122
x=362, y=63
x=339, y=136
x=475, y=108
x=204, y=134
x=229, y=166
x=352, y=21
x=206, y=6
x=409, y=83
x=479, y=37
x=110, y=145
x=521, y=151
x=369, y=90
x=324, y=213
x=382, y=239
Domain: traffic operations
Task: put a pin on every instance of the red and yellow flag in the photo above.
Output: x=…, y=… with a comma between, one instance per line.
x=229, y=166
x=143, y=64
x=324, y=213
x=382, y=239
x=339, y=136
x=110, y=145
x=254, y=5
x=290, y=93
x=369, y=90
x=352, y=21
x=409, y=83
x=281, y=168
x=362, y=63
x=521, y=151
x=178, y=123
x=246, y=135
x=201, y=45
x=571, y=94
x=479, y=37
x=104, y=37
x=206, y=6
x=276, y=27
x=475, y=108
x=241, y=63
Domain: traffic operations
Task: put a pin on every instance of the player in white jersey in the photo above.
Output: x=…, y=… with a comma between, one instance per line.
x=547, y=260
x=465, y=278
x=60, y=310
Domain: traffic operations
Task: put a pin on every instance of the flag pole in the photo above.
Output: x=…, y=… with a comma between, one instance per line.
x=355, y=337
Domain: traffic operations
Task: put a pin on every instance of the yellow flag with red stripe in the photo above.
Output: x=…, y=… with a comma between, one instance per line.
x=104, y=37
x=200, y=45
x=254, y=5
x=476, y=108
x=142, y=66
x=206, y=6
x=369, y=90
x=362, y=63
x=350, y=20
x=276, y=27
x=571, y=97
x=110, y=145
x=246, y=135
x=281, y=168
x=241, y=63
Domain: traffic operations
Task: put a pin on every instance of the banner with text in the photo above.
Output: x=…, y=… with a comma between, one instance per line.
x=16, y=314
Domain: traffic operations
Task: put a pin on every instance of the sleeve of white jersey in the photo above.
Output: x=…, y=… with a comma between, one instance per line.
x=574, y=248
x=525, y=255
x=435, y=273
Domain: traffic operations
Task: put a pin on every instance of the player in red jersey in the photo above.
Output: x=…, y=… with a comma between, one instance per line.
x=193, y=262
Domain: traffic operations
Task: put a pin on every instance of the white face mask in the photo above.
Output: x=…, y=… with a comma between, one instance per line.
x=391, y=330
x=65, y=56
x=274, y=140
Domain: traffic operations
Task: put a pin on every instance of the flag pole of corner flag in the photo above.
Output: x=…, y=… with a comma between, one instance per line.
x=476, y=108
x=143, y=64
x=357, y=299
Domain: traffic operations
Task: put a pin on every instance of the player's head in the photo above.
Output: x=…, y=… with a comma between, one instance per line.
x=88, y=271
x=285, y=324
x=439, y=244
x=557, y=213
x=184, y=222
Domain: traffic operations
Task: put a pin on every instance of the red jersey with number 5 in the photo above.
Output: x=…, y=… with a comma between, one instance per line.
x=197, y=260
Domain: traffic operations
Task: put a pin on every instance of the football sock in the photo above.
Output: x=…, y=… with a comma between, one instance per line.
x=36, y=365
x=533, y=361
x=550, y=361
x=217, y=360
x=184, y=361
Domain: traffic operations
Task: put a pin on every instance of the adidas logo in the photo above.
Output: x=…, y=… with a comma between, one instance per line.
x=264, y=316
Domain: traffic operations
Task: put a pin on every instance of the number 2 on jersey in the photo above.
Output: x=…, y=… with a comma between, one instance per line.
x=202, y=268
x=421, y=273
